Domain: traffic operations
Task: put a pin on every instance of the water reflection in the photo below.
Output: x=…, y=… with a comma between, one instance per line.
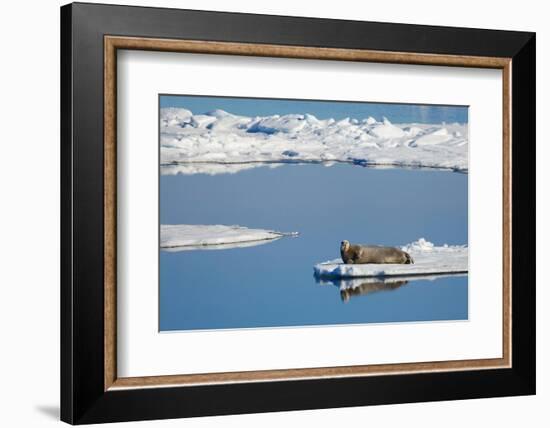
x=353, y=287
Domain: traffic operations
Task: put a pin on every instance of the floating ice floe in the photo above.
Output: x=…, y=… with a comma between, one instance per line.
x=220, y=142
x=428, y=260
x=185, y=237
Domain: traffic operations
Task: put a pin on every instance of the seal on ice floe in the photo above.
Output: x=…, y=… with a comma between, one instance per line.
x=363, y=254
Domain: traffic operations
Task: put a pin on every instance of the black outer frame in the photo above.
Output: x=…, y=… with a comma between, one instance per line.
x=83, y=399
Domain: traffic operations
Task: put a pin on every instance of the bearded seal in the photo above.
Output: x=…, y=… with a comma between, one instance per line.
x=363, y=254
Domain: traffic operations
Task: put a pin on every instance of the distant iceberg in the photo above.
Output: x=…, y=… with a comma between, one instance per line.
x=428, y=260
x=220, y=142
x=185, y=237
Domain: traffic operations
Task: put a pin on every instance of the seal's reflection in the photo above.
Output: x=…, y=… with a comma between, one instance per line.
x=362, y=286
x=353, y=287
x=369, y=287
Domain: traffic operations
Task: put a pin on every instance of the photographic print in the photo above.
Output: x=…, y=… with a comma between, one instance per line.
x=294, y=213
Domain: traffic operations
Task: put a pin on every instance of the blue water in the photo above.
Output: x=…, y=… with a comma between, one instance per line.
x=272, y=285
x=397, y=113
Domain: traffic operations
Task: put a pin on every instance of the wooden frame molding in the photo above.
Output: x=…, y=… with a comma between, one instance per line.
x=113, y=43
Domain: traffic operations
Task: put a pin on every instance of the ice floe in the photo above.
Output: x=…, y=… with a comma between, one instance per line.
x=428, y=260
x=185, y=237
x=220, y=142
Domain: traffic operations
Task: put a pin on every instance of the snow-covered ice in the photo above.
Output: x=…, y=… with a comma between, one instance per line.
x=212, y=168
x=182, y=237
x=220, y=142
x=428, y=260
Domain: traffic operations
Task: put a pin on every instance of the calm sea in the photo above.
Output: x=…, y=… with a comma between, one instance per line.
x=272, y=285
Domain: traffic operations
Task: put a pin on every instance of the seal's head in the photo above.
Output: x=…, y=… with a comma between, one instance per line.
x=344, y=245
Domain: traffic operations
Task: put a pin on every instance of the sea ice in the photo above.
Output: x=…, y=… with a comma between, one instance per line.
x=219, y=142
x=182, y=237
x=428, y=260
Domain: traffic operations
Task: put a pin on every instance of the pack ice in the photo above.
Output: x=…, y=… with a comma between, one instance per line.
x=220, y=142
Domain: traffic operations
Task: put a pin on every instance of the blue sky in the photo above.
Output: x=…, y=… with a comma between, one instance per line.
x=397, y=113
